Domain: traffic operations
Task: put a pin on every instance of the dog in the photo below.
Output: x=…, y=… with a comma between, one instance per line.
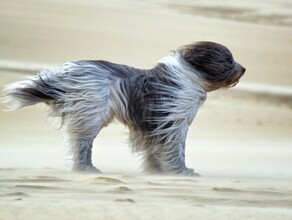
x=157, y=105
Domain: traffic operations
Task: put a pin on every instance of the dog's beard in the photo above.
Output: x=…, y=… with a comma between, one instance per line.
x=238, y=74
x=234, y=83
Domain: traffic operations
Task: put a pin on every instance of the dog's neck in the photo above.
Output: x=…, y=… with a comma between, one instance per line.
x=182, y=70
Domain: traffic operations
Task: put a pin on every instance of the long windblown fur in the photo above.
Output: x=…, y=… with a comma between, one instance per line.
x=157, y=105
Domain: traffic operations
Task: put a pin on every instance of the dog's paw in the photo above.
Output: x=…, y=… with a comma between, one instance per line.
x=190, y=172
x=91, y=169
x=184, y=172
x=86, y=169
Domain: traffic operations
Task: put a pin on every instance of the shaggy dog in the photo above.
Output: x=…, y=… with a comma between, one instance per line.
x=157, y=104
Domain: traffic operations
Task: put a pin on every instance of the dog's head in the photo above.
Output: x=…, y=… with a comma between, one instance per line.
x=214, y=62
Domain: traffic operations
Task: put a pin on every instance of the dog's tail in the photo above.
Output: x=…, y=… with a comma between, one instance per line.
x=32, y=90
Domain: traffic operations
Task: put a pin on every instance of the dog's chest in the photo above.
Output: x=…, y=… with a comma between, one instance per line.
x=197, y=102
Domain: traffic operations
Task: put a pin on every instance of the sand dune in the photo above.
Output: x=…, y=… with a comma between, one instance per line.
x=250, y=12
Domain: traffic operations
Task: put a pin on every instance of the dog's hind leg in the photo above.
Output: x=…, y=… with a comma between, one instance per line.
x=79, y=152
x=79, y=138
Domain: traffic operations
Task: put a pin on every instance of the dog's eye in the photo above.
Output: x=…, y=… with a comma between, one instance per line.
x=230, y=61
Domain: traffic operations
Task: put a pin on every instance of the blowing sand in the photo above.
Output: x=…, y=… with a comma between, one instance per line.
x=240, y=142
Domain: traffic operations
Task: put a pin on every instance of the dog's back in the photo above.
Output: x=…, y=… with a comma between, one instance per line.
x=73, y=81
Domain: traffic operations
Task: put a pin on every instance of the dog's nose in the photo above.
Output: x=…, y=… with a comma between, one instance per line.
x=243, y=70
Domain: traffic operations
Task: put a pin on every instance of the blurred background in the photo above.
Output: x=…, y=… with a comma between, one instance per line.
x=243, y=131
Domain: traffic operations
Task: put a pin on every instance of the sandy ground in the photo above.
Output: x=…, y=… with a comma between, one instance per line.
x=240, y=142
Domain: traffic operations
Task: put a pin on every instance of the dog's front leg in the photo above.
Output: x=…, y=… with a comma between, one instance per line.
x=168, y=157
x=172, y=160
